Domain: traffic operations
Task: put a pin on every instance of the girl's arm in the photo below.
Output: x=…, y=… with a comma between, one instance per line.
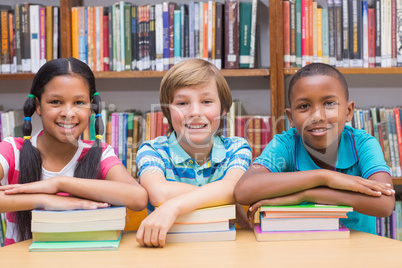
x=153, y=230
x=258, y=183
x=118, y=188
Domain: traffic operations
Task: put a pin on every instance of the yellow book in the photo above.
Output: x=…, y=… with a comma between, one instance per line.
x=49, y=33
x=74, y=32
x=319, y=34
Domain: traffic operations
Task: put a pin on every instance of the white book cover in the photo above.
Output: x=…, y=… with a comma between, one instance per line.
x=253, y=32
x=34, y=33
x=159, y=37
x=55, y=32
x=122, y=43
x=201, y=20
x=196, y=29
x=191, y=19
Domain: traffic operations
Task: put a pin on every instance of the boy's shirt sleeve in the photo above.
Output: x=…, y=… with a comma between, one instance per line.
x=149, y=159
x=371, y=157
x=241, y=157
x=278, y=155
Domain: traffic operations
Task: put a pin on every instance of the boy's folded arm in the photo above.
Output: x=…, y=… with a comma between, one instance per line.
x=160, y=190
x=259, y=183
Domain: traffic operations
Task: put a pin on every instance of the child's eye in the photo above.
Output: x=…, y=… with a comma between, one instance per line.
x=330, y=103
x=302, y=106
x=54, y=102
x=181, y=103
x=80, y=103
x=207, y=101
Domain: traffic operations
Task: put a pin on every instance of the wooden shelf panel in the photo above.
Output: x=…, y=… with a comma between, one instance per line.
x=397, y=181
x=19, y=76
x=378, y=70
x=156, y=74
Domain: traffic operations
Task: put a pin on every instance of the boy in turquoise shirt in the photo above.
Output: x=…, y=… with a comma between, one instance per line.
x=321, y=160
x=193, y=167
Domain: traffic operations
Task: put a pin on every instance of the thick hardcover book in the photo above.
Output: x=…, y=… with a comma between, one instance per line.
x=18, y=36
x=110, y=38
x=219, y=37
x=134, y=38
x=341, y=233
x=325, y=36
x=378, y=33
x=298, y=224
x=166, y=38
x=159, y=37
x=371, y=37
x=384, y=131
x=171, y=8
x=5, y=42
x=35, y=35
x=151, y=37
x=77, y=236
x=355, y=33
x=231, y=34
x=244, y=34
x=298, y=34
x=26, y=39
x=49, y=33
x=191, y=25
x=292, y=41
x=331, y=32
x=393, y=33
x=345, y=36
x=127, y=36
x=338, y=33
x=177, y=37
x=105, y=39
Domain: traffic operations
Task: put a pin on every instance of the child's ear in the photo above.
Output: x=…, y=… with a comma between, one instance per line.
x=38, y=112
x=350, y=111
x=290, y=117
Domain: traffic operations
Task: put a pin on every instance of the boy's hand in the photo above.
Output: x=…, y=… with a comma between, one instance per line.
x=342, y=181
x=242, y=218
x=291, y=199
x=153, y=229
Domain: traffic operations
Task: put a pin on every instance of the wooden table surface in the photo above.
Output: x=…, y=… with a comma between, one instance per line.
x=360, y=250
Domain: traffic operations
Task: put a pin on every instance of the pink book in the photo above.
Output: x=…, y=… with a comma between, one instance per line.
x=115, y=133
x=42, y=35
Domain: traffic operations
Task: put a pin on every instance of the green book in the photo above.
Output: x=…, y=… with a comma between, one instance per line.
x=127, y=36
x=75, y=246
x=298, y=34
x=245, y=13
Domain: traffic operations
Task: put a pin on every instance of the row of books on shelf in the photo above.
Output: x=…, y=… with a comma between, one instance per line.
x=342, y=33
x=125, y=36
x=29, y=36
x=101, y=229
x=391, y=226
x=385, y=125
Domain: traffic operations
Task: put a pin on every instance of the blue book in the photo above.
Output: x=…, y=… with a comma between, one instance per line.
x=177, y=36
x=165, y=14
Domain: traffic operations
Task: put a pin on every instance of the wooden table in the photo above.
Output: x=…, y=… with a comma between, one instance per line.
x=361, y=250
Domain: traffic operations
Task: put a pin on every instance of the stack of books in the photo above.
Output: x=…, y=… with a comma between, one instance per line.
x=301, y=222
x=202, y=225
x=77, y=230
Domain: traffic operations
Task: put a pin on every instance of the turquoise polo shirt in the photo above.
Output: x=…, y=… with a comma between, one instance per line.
x=359, y=154
x=164, y=154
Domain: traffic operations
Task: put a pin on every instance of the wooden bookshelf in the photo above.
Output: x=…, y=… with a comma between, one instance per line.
x=397, y=181
x=157, y=74
x=377, y=70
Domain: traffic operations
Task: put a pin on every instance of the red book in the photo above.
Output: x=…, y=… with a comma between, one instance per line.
x=398, y=131
x=265, y=130
x=105, y=40
x=159, y=124
x=205, y=32
x=303, y=32
x=42, y=35
x=286, y=34
x=153, y=125
x=239, y=126
x=371, y=36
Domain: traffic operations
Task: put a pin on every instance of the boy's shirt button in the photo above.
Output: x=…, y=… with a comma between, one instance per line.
x=191, y=161
x=199, y=172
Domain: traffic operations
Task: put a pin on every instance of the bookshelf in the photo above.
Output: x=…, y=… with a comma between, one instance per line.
x=282, y=73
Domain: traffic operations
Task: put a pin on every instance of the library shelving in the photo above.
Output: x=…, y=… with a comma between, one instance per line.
x=283, y=73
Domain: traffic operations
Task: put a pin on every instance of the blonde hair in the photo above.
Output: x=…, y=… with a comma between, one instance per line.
x=192, y=73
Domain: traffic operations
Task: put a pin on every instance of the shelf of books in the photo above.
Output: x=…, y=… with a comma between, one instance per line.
x=374, y=70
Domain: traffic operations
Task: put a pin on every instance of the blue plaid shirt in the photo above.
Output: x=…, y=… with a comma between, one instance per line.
x=165, y=154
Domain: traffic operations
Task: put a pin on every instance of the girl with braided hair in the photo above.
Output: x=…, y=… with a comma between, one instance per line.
x=54, y=169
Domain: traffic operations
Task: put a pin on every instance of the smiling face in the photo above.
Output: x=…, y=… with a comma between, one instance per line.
x=319, y=110
x=64, y=108
x=196, y=114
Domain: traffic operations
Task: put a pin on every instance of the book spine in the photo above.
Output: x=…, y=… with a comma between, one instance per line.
x=365, y=34
x=314, y=32
x=338, y=33
x=110, y=22
x=345, y=36
x=319, y=34
x=205, y=32
x=56, y=36
x=122, y=32
x=384, y=17
x=231, y=34
x=152, y=38
x=166, y=39
x=292, y=41
x=371, y=37
x=82, y=50
x=105, y=39
x=18, y=36
x=172, y=7
x=304, y=45
x=74, y=32
x=393, y=34
x=177, y=37
x=90, y=60
x=49, y=33
x=298, y=33
x=219, y=41
x=196, y=30
x=399, y=32
x=245, y=12
x=26, y=39
x=127, y=36
x=210, y=32
x=35, y=47
x=191, y=24
x=134, y=37
x=159, y=37
x=378, y=29
x=5, y=42
x=42, y=35
x=398, y=134
x=331, y=32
